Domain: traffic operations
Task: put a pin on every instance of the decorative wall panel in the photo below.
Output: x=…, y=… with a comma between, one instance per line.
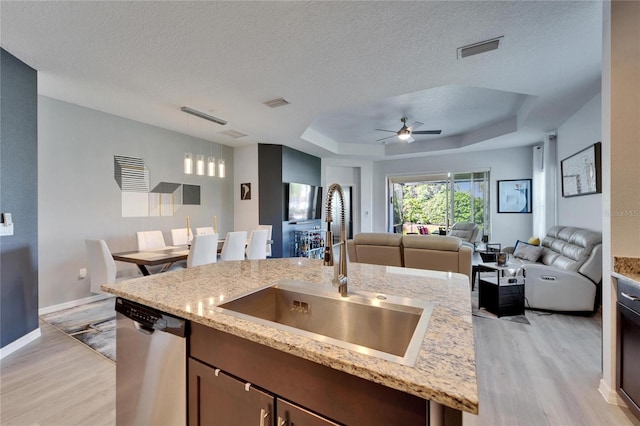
x=132, y=176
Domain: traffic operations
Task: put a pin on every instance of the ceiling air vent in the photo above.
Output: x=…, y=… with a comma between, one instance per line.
x=483, y=46
x=233, y=134
x=275, y=103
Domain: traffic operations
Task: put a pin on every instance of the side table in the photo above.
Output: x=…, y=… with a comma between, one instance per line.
x=498, y=294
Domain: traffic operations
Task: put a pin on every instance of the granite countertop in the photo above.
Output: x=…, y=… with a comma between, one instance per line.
x=627, y=267
x=444, y=372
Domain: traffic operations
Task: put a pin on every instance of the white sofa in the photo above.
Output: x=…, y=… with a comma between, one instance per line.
x=568, y=272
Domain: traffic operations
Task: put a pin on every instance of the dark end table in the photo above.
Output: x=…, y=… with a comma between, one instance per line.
x=500, y=295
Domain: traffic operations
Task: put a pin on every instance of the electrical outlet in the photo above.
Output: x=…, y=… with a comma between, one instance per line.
x=83, y=273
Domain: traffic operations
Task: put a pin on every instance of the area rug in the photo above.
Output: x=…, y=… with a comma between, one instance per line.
x=93, y=324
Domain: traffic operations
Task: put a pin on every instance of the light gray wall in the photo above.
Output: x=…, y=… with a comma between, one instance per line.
x=583, y=129
x=246, y=171
x=79, y=198
x=515, y=163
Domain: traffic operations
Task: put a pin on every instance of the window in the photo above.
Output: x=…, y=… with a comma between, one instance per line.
x=436, y=201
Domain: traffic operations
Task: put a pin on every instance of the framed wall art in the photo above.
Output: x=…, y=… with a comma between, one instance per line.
x=514, y=196
x=245, y=191
x=581, y=173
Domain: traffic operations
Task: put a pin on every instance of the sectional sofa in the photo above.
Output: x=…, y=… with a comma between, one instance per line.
x=440, y=253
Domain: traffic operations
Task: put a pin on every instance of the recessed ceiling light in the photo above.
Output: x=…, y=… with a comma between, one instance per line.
x=275, y=103
x=481, y=47
x=233, y=133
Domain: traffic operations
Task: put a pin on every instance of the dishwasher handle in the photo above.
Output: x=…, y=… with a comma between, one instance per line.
x=144, y=329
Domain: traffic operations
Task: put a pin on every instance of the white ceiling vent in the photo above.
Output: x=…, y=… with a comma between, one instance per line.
x=481, y=47
x=233, y=134
x=275, y=103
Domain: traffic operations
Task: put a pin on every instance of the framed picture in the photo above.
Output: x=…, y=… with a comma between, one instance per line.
x=581, y=172
x=245, y=191
x=514, y=196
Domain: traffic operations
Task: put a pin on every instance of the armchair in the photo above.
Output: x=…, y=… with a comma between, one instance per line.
x=466, y=231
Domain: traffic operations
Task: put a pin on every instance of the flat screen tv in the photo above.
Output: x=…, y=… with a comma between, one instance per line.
x=303, y=202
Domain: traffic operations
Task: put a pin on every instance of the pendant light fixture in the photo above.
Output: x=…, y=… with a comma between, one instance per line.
x=211, y=166
x=200, y=165
x=188, y=163
x=221, y=168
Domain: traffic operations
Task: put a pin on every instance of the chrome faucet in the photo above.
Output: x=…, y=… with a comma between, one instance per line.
x=340, y=269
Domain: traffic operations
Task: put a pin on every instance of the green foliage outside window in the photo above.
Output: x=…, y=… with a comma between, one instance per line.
x=427, y=204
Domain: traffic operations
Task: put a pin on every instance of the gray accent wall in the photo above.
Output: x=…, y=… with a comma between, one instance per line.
x=18, y=196
x=277, y=166
x=79, y=197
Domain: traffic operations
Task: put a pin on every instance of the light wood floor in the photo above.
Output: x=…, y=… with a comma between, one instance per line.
x=546, y=373
x=57, y=380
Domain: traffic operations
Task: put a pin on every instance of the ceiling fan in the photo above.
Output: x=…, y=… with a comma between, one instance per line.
x=405, y=132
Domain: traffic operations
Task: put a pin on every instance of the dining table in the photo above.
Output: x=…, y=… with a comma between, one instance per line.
x=166, y=256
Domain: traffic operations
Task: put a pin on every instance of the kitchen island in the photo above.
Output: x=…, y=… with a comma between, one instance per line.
x=444, y=372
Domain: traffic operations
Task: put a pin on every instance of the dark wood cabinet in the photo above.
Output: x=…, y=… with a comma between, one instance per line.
x=315, y=390
x=215, y=398
x=628, y=345
x=218, y=399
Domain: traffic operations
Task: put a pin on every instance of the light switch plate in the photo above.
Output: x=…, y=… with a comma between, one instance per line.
x=6, y=230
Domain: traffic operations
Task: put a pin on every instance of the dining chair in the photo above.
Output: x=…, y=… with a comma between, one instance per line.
x=203, y=250
x=269, y=229
x=206, y=230
x=150, y=240
x=257, y=246
x=102, y=267
x=233, y=247
x=179, y=236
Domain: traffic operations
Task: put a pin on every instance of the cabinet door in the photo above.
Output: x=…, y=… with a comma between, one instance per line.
x=628, y=355
x=221, y=400
x=288, y=414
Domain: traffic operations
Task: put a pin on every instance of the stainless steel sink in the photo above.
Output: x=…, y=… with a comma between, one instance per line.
x=385, y=326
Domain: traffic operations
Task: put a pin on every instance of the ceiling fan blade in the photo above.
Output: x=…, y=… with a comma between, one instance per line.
x=383, y=130
x=427, y=132
x=415, y=125
x=410, y=140
x=388, y=137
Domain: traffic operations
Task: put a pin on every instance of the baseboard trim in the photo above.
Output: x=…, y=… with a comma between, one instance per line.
x=610, y=395
x=19, y=343
x=72, y=304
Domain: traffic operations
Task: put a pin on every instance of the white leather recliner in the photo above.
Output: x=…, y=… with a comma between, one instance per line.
x=567, y=274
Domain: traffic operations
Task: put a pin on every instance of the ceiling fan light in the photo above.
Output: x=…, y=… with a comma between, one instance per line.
x=404, y=135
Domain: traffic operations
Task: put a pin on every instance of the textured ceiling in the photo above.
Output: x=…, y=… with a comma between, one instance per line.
x=346, y=67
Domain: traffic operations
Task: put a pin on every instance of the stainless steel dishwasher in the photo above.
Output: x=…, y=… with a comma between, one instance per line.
x=151, y=366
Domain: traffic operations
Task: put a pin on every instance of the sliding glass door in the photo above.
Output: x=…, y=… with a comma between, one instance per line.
x=432, y=203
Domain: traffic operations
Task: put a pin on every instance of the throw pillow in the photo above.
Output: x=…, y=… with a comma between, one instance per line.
x=535, y=241
x=527, y=251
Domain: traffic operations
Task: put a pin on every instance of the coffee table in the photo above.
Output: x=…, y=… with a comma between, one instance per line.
x=498, y=294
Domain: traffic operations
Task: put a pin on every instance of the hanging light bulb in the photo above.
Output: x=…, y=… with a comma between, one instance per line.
x=221, y=170
x=211, y=166
x=188, y=163
x=200, y=165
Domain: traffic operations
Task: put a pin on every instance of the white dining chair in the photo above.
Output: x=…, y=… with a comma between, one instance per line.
x=203, y=250
x=179, y=236
x=206, y=230
x=150, y=240
x=257, y=246
x=269, y=229
x=102, y=267
x=233, y=247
